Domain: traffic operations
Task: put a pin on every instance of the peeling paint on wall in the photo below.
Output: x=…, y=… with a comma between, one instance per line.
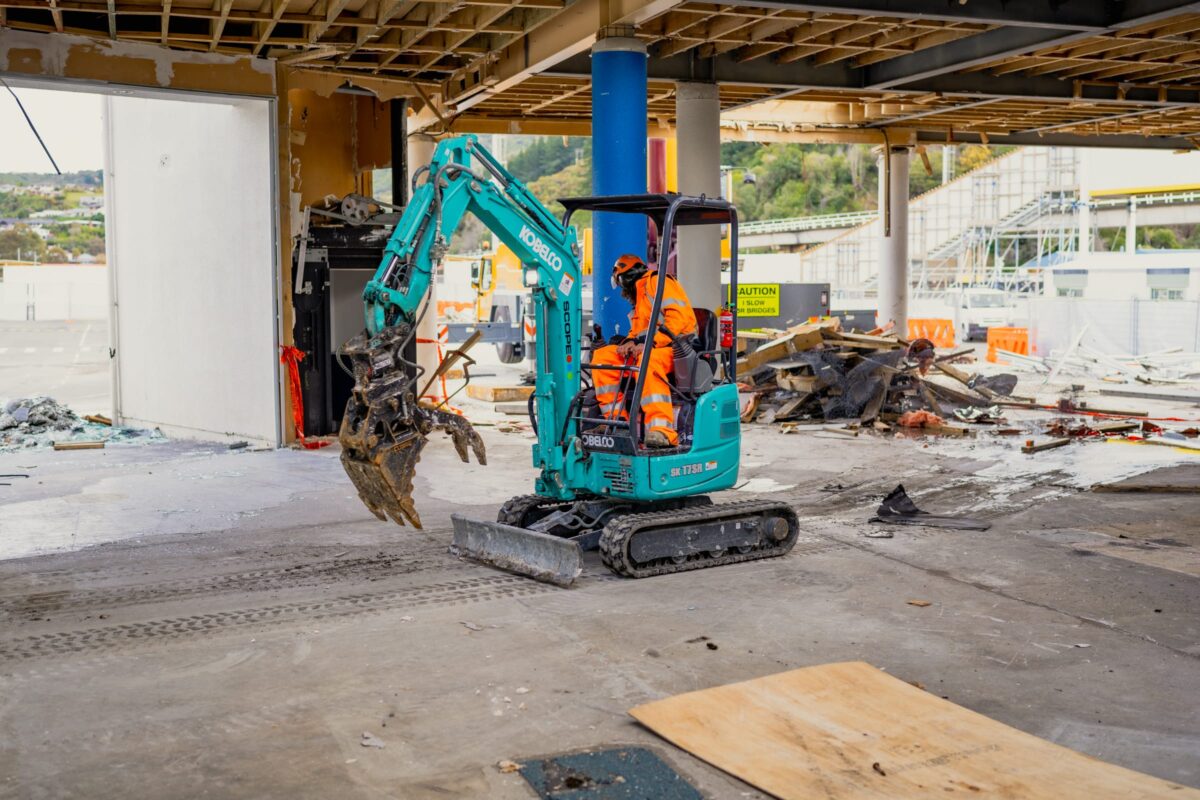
x=59, y=55
x=326, y=83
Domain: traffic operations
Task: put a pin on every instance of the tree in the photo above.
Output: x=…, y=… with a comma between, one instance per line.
x=548, y=155
x=78, y=239
x=20, y=242
x=21, y=204
x=573, y=181
x=921, y=181
x=1162, y=239
x=972, y=156
x=56, y=255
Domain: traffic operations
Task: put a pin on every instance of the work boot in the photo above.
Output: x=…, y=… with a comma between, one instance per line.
x=657, y=439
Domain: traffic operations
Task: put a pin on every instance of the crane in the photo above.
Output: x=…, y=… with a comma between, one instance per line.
x=647, y=511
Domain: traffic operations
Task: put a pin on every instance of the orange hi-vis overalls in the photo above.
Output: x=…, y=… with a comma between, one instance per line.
x=678, y=317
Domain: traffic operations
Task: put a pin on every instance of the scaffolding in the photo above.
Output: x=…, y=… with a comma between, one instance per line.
x=993, y=226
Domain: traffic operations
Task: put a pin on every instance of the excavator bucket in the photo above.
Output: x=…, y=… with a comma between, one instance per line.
x=384, y=480
x=537, y=555
x=384, y=430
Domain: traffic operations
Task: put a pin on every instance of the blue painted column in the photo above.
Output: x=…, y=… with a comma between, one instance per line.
x=618, y=167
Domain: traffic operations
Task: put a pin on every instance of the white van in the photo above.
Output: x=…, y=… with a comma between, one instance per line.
x=976, y=310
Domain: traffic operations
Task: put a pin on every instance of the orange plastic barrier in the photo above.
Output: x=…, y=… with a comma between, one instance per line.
x=938, y=331
x=1014, y=340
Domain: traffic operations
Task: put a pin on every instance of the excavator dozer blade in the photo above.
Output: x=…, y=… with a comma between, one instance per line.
x=537, y=555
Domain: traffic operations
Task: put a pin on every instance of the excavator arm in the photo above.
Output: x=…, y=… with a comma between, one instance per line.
x=385, y=425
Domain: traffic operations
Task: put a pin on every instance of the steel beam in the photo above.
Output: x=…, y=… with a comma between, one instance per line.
x=1008, y=41
x=1063, y=140
x=571, y=32
x=799, y=76
x=1086, y=16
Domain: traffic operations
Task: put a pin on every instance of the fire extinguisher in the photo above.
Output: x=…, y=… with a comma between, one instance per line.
x=726, y=327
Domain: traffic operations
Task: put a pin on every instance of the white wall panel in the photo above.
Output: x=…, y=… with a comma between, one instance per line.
x=191, y=226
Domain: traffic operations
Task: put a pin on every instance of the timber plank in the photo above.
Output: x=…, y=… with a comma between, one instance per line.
x=499, y=394
x=848, y=731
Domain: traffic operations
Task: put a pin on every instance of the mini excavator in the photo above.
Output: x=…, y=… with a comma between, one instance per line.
x=646, y=510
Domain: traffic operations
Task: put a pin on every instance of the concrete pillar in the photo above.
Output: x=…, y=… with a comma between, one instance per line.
x=698, y=133
x=893, y=243
x=1083, y=177
x=949, y=153
x=618, y=167
x=656, y=150
x=1131, y=228
x=420, y=153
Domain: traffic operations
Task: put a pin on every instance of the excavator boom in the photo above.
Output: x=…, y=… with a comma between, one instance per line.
x=385, y=425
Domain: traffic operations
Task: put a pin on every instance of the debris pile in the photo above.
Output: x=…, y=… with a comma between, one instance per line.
x=818, y=372
x=817, y=377
x=1173, y=366
x=41, y=422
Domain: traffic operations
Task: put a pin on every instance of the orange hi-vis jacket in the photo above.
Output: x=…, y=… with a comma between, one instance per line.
x=679, y=318
x=677, y=313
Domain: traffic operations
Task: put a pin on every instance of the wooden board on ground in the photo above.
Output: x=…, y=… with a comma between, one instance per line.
x=96, y=445
x=848, y=731
x=499, y=394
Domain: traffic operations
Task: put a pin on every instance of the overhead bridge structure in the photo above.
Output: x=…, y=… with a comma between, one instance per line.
x=360, y=84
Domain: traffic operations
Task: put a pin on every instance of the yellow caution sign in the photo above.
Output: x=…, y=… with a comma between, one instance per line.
x=758, y=300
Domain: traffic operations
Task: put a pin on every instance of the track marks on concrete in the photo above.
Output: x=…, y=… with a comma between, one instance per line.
x=90, y=640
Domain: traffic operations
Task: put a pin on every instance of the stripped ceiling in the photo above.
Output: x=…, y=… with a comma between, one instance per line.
x=1019, y=70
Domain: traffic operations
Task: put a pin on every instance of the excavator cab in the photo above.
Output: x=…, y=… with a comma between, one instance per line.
x=700, y=363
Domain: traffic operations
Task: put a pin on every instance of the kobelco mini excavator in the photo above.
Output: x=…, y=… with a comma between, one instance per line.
x=647, y=510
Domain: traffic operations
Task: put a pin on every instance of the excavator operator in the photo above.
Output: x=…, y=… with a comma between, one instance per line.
x=639, y=285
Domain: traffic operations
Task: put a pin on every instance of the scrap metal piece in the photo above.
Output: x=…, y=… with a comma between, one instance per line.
x=538, y=555
x=899, y=509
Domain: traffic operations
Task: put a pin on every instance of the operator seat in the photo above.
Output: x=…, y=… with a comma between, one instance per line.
x=695, y=361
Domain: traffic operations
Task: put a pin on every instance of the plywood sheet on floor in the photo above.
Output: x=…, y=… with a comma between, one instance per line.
x=849, y=730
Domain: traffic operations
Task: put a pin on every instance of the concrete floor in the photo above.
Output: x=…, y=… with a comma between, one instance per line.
x=241, y=620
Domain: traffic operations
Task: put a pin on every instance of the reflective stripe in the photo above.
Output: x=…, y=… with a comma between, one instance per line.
x=613, y=406
x=656, y=398
x=671, y=301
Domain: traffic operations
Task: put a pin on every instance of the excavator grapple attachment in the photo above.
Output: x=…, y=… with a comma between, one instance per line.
x=538, y=555
x=384, y=429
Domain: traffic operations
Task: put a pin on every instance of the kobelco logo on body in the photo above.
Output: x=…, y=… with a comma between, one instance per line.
x=543, y=250
x=599, y=441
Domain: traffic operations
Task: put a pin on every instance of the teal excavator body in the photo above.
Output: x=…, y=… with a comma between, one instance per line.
x=593, y=469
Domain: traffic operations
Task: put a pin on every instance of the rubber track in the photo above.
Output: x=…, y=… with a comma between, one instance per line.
x=614, y=541
x=450, y=593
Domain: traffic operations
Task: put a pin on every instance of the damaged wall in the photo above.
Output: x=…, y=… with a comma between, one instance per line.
x=328, y=143
x=61, y=55
x=335, y=140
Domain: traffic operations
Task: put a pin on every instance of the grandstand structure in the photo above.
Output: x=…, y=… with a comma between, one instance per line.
x=998, y=225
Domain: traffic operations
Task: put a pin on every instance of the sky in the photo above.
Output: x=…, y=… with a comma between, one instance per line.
x=69, y=122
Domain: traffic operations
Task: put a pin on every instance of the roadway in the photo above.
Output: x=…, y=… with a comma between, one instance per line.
x=64, y=360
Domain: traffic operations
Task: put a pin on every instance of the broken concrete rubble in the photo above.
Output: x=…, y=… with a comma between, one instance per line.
x=32, y=422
